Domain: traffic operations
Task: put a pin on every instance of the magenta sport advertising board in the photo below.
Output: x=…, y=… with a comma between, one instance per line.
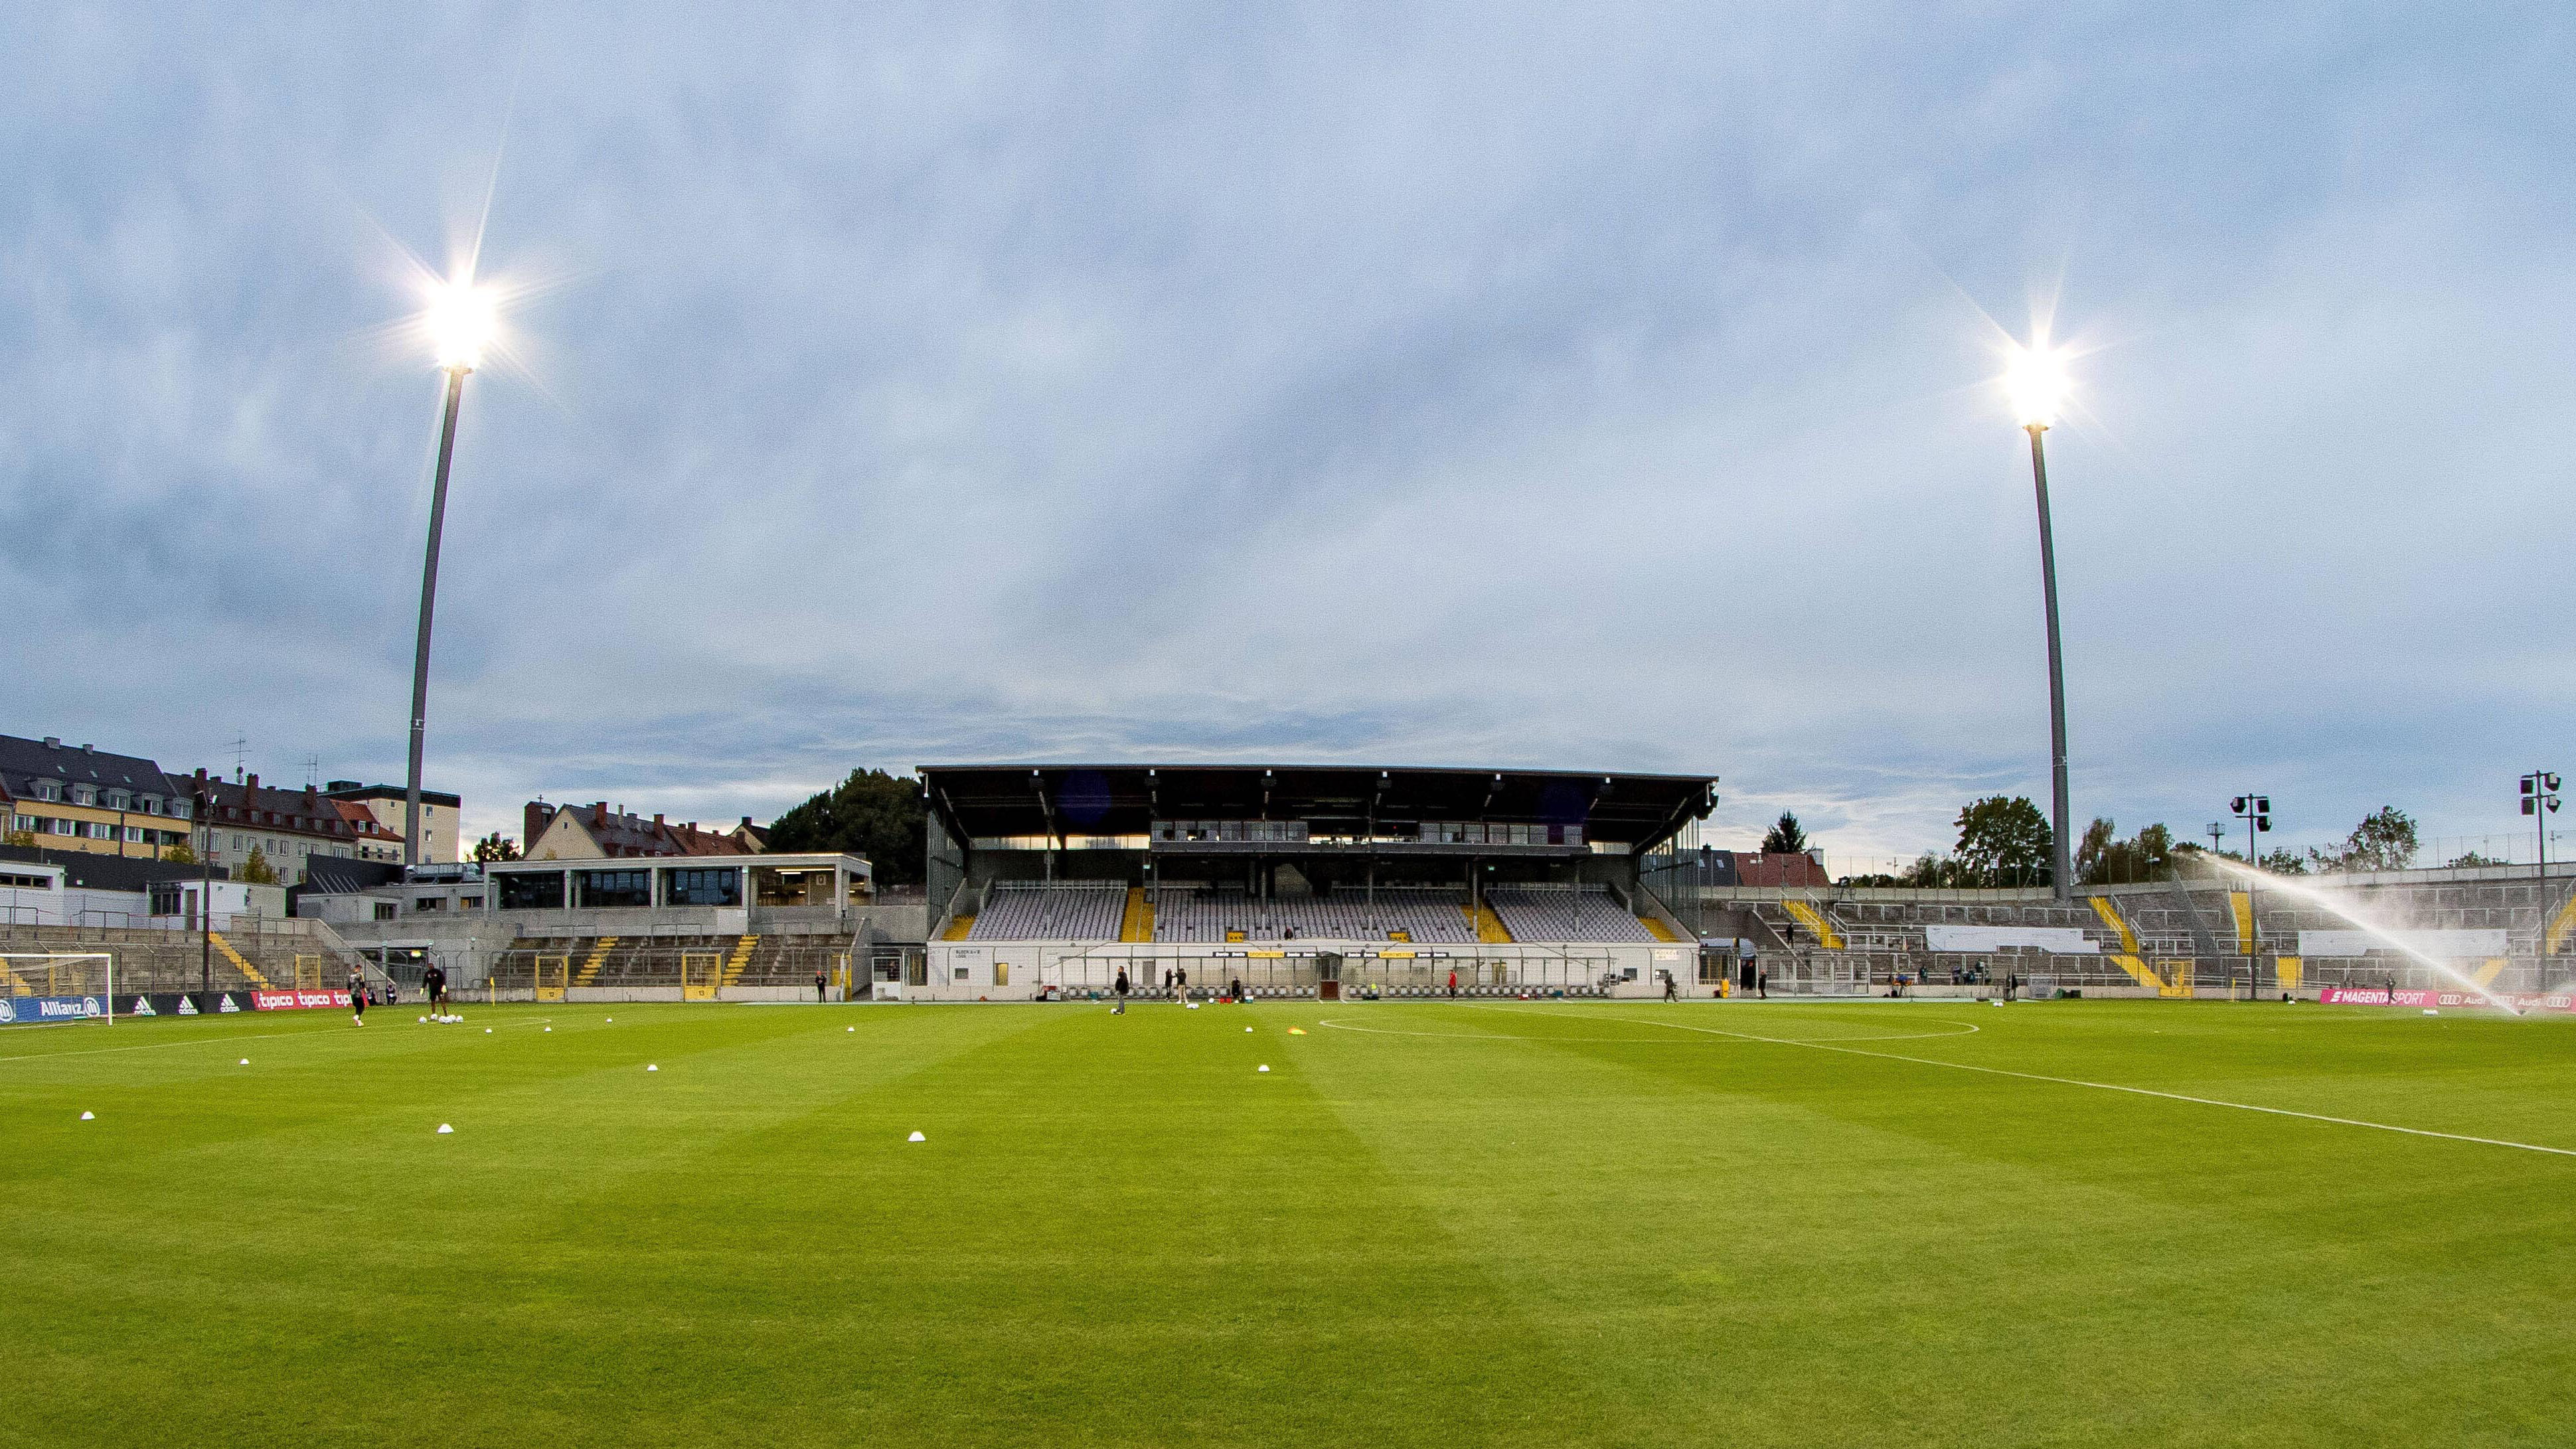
x=2382, y=996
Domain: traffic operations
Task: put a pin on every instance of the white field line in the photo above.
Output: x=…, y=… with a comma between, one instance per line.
x=2104, y=1087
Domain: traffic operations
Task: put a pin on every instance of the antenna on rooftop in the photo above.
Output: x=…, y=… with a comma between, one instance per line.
x=241, y=756
x=313, y=772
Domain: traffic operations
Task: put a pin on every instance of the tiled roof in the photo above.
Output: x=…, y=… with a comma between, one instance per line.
x=303, y=812
x=24, y=761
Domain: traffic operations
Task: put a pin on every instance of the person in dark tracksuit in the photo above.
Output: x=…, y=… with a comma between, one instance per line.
x=1121, y=989
x=818, y=984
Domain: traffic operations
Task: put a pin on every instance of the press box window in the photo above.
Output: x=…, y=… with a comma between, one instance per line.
x=610, y=889
x=720, y=886
x=532, y=891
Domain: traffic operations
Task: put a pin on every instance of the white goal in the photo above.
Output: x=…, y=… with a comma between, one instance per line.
x=54, y=986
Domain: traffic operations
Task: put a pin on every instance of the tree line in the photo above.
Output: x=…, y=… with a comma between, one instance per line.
x=2005, y=840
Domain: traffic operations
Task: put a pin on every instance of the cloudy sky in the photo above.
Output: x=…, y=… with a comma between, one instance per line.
x=1595, y=387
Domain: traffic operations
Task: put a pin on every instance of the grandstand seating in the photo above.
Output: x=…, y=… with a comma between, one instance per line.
x=1425, y=915
x=1558, y=913
x=1054, y=911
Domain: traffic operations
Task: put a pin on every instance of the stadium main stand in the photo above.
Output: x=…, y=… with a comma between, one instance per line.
x=1300, y=880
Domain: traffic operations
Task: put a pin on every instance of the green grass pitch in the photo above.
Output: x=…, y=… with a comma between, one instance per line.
x=1458, y=1225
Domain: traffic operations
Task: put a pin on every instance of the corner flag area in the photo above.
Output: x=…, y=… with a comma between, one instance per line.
x=1475, y=1223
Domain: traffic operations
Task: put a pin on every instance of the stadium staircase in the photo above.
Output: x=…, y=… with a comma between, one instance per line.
x=958, y=928
x=741, y=957
x=1138, y=922
x=1658, y=929
x=597, y=958
x=1806, y=914
x=2561, y=925
x=225, y=949
x=1490, y=927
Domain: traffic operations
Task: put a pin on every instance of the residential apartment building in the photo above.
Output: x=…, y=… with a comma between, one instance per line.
x=81, y=798
x=288, y=828
x=595, y=832
x=441, y=841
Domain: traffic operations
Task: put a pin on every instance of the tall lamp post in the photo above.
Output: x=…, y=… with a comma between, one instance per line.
x=2540, y=801
x=460, y=323
x=2036, y=383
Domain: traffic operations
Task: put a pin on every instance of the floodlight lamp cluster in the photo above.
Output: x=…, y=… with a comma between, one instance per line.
x=462, y=320
x=2540, y=792
x=2036, y=384
x=2257, y=808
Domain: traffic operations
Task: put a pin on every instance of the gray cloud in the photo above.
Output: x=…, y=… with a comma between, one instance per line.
x=1438, y=384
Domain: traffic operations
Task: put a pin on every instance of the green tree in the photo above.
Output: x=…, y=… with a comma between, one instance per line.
x=2284, y=861
x=257, y=870
x=2474, y=857
x=2102, y=858
x=872, y=814
x=23, y=839
x=2003, y=841
x=496, y=846
x=180, y=854
x=1785, y=837
x=2384, y=840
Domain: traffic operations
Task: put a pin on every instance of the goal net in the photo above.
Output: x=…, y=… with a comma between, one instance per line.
x=42, y=986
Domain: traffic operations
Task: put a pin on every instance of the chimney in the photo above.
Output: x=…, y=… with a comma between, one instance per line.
x=53, y=742
x=599, y=814
x=89, y=749
x=254, y=780
x=746, y=822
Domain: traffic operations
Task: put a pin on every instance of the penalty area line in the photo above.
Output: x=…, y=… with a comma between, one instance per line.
x=2132, y=1091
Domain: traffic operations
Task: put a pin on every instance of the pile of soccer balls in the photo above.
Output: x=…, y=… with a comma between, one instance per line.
x=427, y=1019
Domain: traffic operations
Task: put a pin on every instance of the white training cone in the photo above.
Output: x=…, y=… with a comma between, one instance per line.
x=651, y=1068
x=1265, y=1066
x=550, y=1028
x=245, y=1061
x=89, y=1116
x=612, y=1021
x=487, y=1031
x=1247, y=1028
x=916, y=1137
x=444, y=1129
x=849, y=1028
x=2428, y=1011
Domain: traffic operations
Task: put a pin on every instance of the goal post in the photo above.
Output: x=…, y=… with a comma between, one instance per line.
x=57, y=986
x=699, y=973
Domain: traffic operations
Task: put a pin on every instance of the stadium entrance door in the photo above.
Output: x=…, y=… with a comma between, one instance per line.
x=553, y=974
x=699, y=972
x=1328, y=976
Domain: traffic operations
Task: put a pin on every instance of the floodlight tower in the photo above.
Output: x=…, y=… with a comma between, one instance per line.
x=2036, y=383
x=2256, y=811
x=460, y=323
x=2540, y=801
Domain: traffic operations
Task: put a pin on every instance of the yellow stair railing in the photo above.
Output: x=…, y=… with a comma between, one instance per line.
x=1814, y=920
x=2110, y=915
